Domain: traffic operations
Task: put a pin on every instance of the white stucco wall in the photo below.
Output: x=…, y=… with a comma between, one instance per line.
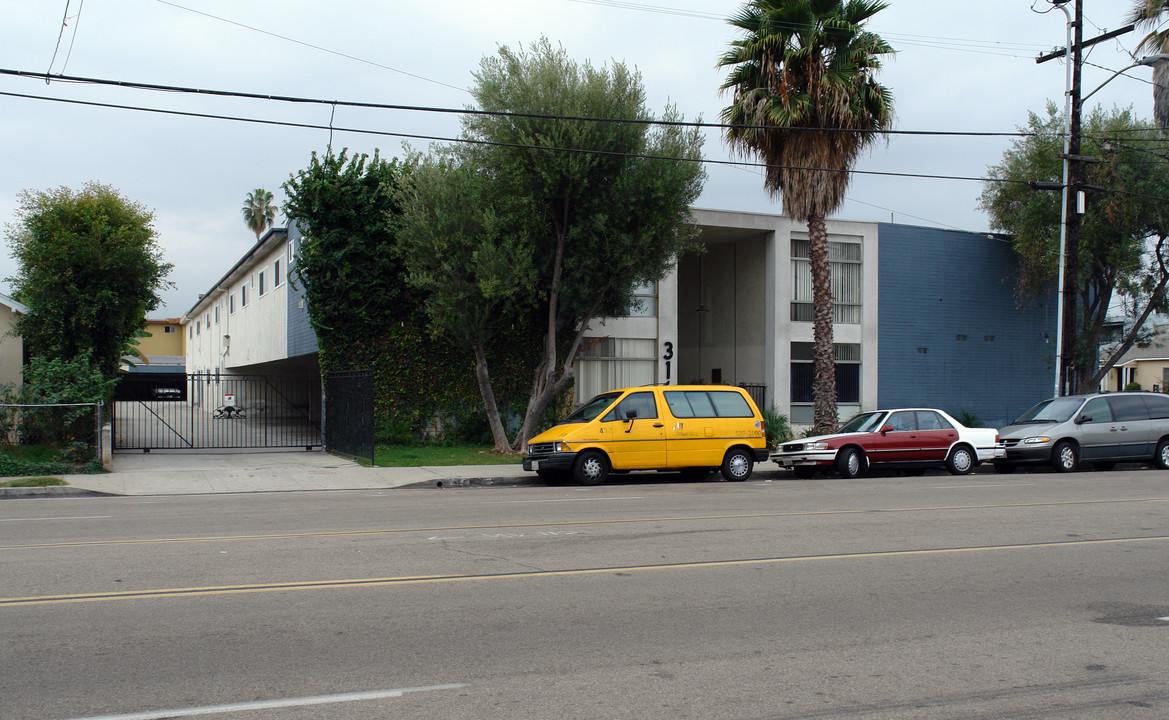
x=220, y=339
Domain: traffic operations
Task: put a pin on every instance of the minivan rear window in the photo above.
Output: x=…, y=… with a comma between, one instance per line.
x=1158, y=406
x=1128, y=407
x=707, y=403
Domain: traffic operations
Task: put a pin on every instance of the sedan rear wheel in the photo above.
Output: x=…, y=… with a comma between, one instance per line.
x=961, y=461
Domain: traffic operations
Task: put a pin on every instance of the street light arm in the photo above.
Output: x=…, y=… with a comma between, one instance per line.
x=1147, y=60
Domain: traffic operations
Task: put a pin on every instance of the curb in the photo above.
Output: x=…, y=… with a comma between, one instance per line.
x=473, y=482
x=50, y=491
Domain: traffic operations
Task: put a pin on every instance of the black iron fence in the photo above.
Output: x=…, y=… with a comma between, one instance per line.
x=216, y=410
x=758, y=393
x=349, y=413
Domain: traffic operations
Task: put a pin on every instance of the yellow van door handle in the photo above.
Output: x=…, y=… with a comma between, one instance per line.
x=658, y=425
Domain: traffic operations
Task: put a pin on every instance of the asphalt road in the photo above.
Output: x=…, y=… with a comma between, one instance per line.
x=1033, y=595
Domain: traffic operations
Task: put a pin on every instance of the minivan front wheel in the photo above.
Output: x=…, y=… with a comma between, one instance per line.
x=1161, y=458
x=591, y=468
x=737, y=465
x=1064, y=457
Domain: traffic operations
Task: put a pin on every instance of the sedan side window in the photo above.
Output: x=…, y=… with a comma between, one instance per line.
x=902, y=421
x=930, y=420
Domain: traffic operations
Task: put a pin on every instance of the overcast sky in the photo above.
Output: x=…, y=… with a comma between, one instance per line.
x=959, y=67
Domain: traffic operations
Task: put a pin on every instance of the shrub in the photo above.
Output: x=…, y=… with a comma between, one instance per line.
x=969, y=419
x=777, y=427
x=1132, y=387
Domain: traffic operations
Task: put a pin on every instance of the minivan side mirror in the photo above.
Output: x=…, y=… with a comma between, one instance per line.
x=1083, y=419
x=887, y=429
x=630, y=414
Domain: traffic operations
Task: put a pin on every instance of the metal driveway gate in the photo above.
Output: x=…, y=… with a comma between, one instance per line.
x=349, y=413
x=216, y=410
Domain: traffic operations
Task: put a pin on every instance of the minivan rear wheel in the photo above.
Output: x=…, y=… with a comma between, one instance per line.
x=737, y=465
x=1064, y=457
x=1161, y=458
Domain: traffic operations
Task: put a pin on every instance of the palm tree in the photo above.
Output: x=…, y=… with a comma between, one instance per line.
x=1150, y=13
x=805, y=101
x=259, y=212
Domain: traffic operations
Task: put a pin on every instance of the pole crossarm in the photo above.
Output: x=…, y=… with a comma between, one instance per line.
x=1061, y=52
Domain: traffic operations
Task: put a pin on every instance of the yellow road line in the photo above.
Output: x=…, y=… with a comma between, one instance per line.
x=160, y=593
x=683, y=518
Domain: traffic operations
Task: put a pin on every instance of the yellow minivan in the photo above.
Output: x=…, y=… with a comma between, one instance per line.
x=693, y=429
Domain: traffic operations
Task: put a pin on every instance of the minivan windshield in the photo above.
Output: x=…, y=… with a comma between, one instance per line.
x=591, y=409
x=1056, y=410
x=865, y=422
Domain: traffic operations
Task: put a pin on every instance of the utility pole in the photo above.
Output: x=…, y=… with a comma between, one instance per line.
x=1072, y=198
x=1072, y=191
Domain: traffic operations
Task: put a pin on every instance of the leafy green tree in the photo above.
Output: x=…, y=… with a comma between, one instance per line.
x=259, y=211
x=351, y=277
x=474, y=269
x=806, y=102
x=1151, y=14
x=601, y=205
x=89, y=269
x=1122, y=235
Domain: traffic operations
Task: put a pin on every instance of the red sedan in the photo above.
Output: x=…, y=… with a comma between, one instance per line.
x=905, y=438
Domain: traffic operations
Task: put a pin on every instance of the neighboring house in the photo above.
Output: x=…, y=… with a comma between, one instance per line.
x=1145, y=363
x=11, y=344
x=922, y=317
x=163, y=350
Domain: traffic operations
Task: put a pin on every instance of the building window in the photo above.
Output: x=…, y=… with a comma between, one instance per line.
x=168, y=329
x=263, y=287
x=217, y=314
x=198, y=330
x=276, y=275
x=190, y=331
x=644, y=302
x=231, y=304
x=243, y=295
x=844, y=265
x=848, y=378
x=609, y=363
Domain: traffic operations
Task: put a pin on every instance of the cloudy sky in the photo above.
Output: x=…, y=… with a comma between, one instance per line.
x=959, y=67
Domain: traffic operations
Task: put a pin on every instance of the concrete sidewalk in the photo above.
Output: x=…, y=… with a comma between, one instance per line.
x=183, y=473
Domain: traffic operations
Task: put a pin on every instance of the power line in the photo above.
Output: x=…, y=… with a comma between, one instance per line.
x=308, y=45
x=57, y=47
x=469, y=141
x=472, y=111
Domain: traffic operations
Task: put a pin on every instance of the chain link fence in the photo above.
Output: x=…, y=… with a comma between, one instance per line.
x=50, y=439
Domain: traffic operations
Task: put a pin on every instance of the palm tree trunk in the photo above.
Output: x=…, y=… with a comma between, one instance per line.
x=824, y=415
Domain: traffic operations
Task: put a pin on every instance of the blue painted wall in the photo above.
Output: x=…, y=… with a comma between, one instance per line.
x=937, y=285
x=302, y=340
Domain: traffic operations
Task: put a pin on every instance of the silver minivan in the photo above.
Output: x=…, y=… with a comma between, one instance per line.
x=1102, y=429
